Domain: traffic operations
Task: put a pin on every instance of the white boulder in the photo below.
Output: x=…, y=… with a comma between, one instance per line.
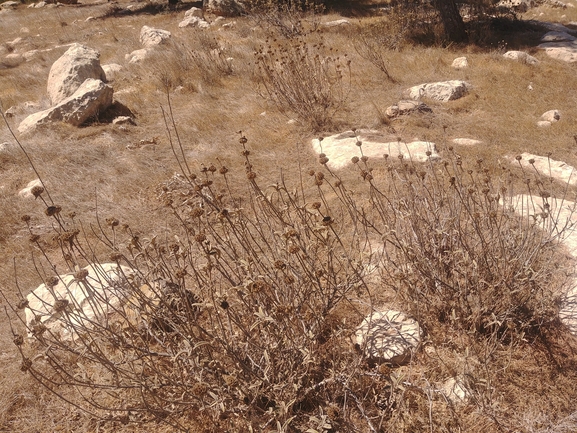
x=341, y=148
x=194, y=21
x=150, y=37
x=551, y=116
x=460, y=63
x=71, y=70
x=194, y=12
x=389, y=336
x=226, y=8
x=92, y=97
x=75, y=302
x=442, y=91
x=521, y=56
x=111, y=71
x=137, y=56
x=564, y=51
x=27, y=192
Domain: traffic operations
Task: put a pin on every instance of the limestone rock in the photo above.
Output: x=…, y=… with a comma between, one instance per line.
x=123, y=120
x=340, y=148
x=557, y=36
x=543, y=124
x=442, y=91
x=137, y=56
x=407, y=107
x=13, y=60
x=515, y=5
x=9, y=5
x=521, y=56
x=27, y=191
x=194, y=12
x=551, y=116
x=225, y=8
x=67, y=73
x=86, y=302
x=111, y=71
x=460, y=63
x=150, y=37
x=548, y=167
x=564, y=51
x=92, y=97
x=337, y=23
x=455, y=391
x=194, y=21
x=389, y=336
x=467, y=141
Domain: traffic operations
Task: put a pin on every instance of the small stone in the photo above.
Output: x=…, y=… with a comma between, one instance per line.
x=389, y=336
x=466, y=141
x=521, y=56
x=27, y=192
x=551, y=116
x=543, y=124
x=123, y=120
x=460, y=63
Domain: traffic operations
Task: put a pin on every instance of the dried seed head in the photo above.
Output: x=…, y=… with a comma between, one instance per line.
x=251, y=175
x=52, y=210
x=180, y=273
x=223, y=170
x=355, y=159
x=327, y=220
x=81, y=274
x=199, y=389
x=25, y=218
x=359, y=143
x=293, y=249
x=200, y=238
x=37, y=191
x=34, y=238
x=211, y=168
x=545, y=194
x=26, y=364
x=364, y=158
x=316, y=205
x=338, y=183
x=245, y=152
x=22, y=303
x=323, y=159
x=196, y=212
x=279, y=264
x=112, y=222
x=115, y=257
x=289, y=279
x=60, y=305
x=224, y=305
x=18, y=340
x=518, y=158
x=320, y=175
x=428, y=153
x=52, y=281
x=243, y=140
x=318, y=182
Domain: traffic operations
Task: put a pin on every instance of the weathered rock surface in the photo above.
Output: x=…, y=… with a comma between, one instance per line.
x=460, y=63
x=557, y=36
x=92, y=97
x=389, y=336
x=407, y=107
x=337, y=23
x=194, y=12
x=521, y=56
x=455, y=391
x=467, y=141
x=71, y=70
x=111, y=71
x=442, y=91
x=564, y=51
x=551, y=116
x=137, y=56
x=194, y=21
x=547, y=167
x=27, y=191
x=150, y=37
x=84, y=301
x=9, y=5
x=340, y=148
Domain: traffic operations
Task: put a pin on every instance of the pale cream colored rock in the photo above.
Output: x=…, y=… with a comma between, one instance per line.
x=460, y=63
x=443, y=91
x=89, y=301
x=194, y=21
x=389, y=336
x=543, y=124
x=564, y=51
x=337, y=23
x=551, y=116
x=67, y=73
x=137, y=56
x=467, y=141
x=455, y=391
x=92, y=97
x=111, y=71
x=340, y=148
x=150, y=37
x=27, y=192
x=521, y=56
x=194, y=12
x=547, y=167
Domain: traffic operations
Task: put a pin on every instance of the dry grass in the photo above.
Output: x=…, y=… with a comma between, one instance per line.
x=526, y=390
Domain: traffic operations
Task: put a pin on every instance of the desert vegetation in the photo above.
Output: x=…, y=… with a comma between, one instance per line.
x=246, y=262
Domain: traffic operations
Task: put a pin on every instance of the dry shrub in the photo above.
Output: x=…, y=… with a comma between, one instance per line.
x=242, y=319
x=307, y=80
x=287, y=18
